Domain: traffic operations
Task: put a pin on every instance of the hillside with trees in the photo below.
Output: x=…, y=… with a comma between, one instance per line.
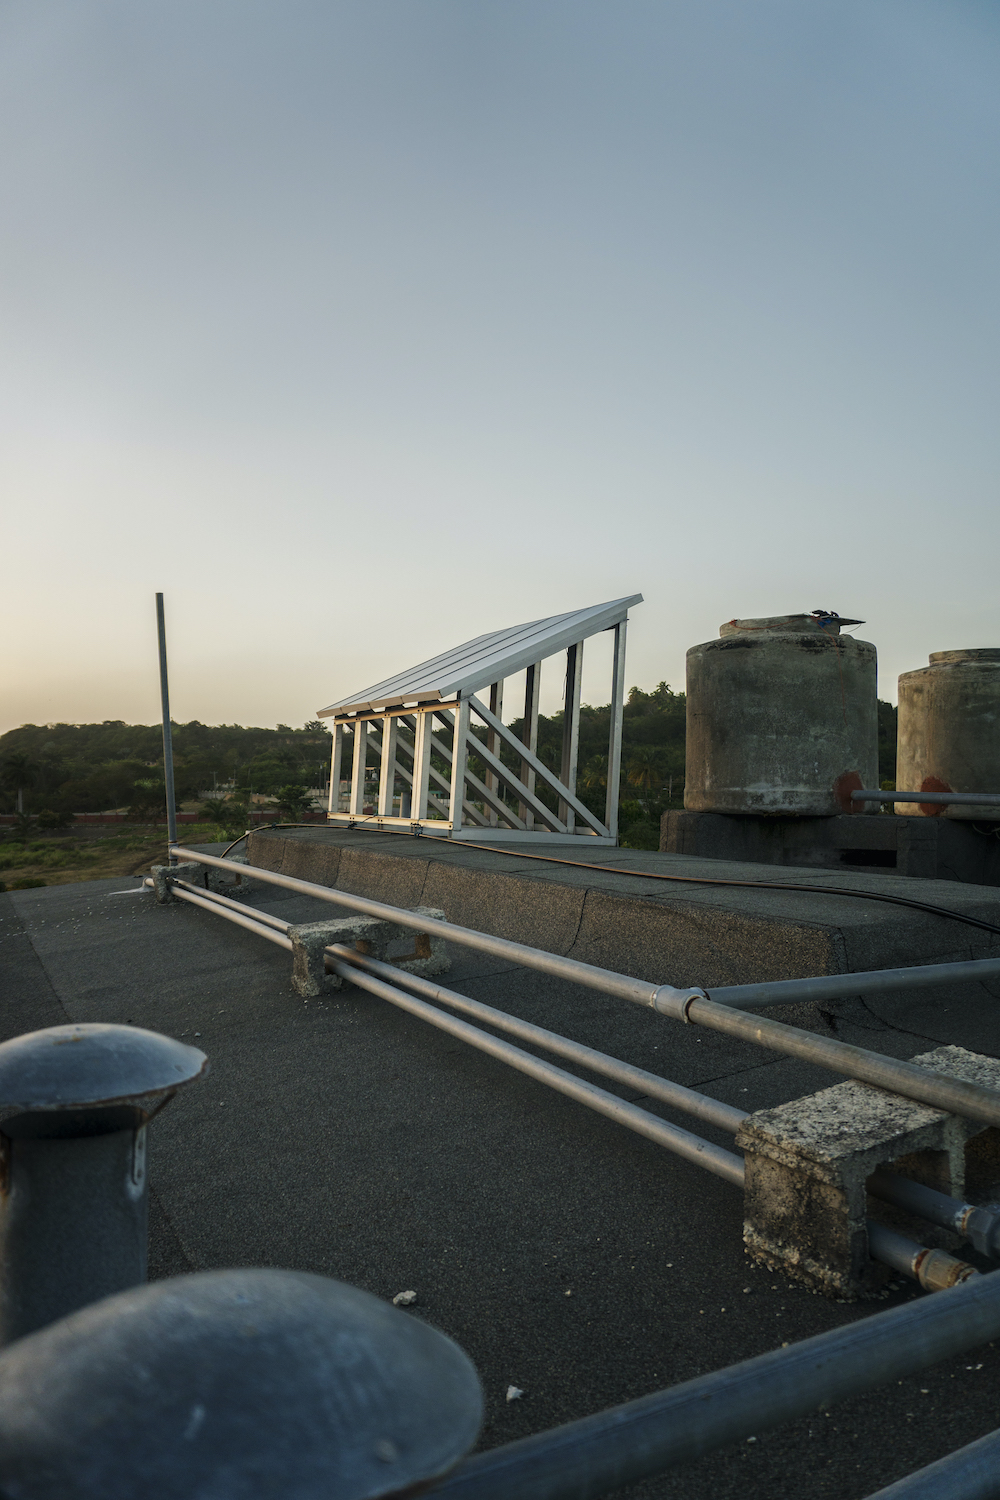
x=52, y=771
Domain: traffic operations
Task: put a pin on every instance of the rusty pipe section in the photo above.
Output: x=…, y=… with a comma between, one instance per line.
x=935, y=1270
x=980, y=1226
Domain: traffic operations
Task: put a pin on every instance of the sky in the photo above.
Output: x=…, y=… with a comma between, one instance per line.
x=360, y=329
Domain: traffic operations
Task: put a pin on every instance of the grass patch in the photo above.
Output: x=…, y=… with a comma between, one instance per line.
x=63, y=860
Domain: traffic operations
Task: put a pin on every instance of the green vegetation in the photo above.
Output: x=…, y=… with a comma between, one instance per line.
x=49, y=772
x=69, y=768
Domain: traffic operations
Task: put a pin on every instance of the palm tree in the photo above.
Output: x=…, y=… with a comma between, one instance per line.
x=17, y=773
x=642, y=769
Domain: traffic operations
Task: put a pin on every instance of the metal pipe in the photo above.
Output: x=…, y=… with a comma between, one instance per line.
x=340, y=961
x=639, y=991
x=365, y=972
x=955, y=1095
x=168, y=744
x=712, y=1111
x=970, y=1473
x=840, y=986
x=641, y=1438
x=681, y=1142
x=935, y=1270
x=981, y=1226
x=984, y=799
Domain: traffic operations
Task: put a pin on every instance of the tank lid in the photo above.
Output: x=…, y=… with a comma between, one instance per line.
x=824, y=621
x=969, y=653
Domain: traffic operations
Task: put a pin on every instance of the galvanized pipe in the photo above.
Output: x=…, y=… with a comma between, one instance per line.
x=841, y=986
x=967, y=1099
x=639, y=991
x=935, y=1270
x=970, y=1473
x=713, y=1111
x=681, y=1142
x=168, y=744
x=371, y=975
x=983, y=799
x=955, y=1095
x=981, y=1226
x=642, y=1438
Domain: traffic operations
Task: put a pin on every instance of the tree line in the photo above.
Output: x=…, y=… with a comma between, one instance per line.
x=49, y=772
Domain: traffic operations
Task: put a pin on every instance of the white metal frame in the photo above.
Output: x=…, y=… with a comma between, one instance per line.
x=402, y=721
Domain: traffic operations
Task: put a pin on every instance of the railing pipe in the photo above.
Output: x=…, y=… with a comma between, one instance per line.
x=970, y=1473
x=955, y=1095
x=639, y=991
x=967, y=1099
x=643, y=1438
x=933, y=1269
x=980, y=799
x=843, y=986
x=681, y=1142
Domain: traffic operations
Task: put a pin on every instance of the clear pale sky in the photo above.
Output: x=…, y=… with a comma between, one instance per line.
x=362, y=328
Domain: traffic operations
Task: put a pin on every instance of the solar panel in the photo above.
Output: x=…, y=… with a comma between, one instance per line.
x=466, y=669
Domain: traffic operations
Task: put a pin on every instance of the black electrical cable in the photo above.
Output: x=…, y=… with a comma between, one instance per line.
x=753, y=885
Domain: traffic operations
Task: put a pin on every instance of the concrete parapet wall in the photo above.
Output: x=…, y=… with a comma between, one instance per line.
x=675, y=933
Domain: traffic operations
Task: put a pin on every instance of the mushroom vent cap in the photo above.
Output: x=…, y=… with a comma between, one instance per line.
x=91, y=1066
x=238, y=1384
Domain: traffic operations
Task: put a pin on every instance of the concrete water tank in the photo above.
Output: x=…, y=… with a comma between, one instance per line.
x=782, y=717
x=949, y=731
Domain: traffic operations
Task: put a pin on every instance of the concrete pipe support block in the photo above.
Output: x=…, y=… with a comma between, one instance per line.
x=808, y=1163
x=371, y=937
x=163, y=874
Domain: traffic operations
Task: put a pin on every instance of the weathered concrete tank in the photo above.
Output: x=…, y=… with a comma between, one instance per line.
x=949, y=731
x=782, y=717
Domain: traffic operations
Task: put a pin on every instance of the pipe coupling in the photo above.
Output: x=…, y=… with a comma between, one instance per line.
x=675, y=1003
x=981, y=1226
x=936, y=1270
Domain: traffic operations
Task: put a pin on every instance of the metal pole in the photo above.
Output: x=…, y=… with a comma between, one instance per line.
x=985, y=799
x=841, y=986
x=629, y=1443
x=168, y=745
x=954, y=1095
x=970, y=1473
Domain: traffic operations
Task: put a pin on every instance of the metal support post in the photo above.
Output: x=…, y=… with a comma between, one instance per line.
x=336, y=757
x=529, y=734
x=615, y=737
x=359, y=764
x=459, y=761
x=571, y=731
x=168, y=744
x=387, y=767
x=421, y=764
x=493, y=745
x=74, y=1208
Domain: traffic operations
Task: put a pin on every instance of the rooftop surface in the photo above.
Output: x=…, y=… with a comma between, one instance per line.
x=568, y=1256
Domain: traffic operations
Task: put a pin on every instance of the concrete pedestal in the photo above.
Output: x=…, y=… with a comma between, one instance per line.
x=808, y=1163
x=928, y=848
